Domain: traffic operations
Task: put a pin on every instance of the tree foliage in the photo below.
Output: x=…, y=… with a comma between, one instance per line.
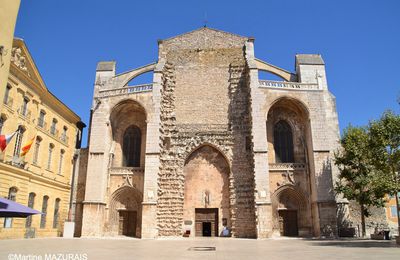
x=358, y=178
x=385, y=148
x=369, y=162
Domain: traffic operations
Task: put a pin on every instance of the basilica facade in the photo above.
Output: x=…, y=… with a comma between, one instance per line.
x=209, y=149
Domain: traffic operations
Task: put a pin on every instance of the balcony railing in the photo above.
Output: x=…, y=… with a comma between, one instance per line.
x=126, y=170
x=42, y=124
x=53, y=131
x=8, y=102
x=64, y=138
x=288, y=85
x=286, y=166
x=125, y=90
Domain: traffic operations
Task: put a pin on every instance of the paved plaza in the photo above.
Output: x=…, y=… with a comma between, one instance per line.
x=118, y=249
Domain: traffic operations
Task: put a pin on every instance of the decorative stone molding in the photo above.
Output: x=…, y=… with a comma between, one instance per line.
x=19, y=60
x=286, y=166
x=288, y=85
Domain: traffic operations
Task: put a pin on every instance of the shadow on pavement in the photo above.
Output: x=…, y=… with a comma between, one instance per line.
x=356, y=243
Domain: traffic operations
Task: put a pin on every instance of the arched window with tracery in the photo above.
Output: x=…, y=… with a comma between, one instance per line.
x=131, y=147
x=283, y=142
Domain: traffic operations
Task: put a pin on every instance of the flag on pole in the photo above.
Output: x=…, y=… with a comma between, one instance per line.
x=27, y=146
x=5, y=139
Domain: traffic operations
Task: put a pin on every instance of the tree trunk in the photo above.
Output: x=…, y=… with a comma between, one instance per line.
x=398, y=211
x=362, y=220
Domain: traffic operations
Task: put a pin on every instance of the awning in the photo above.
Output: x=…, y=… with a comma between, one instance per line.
x=11, y=209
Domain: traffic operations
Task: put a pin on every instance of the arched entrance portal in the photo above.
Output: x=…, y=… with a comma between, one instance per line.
x=290, y=214
x=126, y=212
x=206, y=203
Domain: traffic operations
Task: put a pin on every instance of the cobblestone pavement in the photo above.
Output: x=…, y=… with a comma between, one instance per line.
x=199, y=248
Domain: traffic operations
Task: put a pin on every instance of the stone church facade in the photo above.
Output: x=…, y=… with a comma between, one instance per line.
x=208, y=148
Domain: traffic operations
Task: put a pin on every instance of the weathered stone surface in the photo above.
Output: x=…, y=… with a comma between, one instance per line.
x=208, y=142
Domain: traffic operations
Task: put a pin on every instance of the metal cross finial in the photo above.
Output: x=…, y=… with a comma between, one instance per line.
x=205, y=19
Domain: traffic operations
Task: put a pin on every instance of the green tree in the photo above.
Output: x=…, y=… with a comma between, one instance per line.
x=385, y=148
x=357, y=178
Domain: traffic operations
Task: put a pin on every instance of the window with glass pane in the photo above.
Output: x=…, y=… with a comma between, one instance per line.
x=24, y=108
x=53, y=127
x=37, y=148
x=283, y=142
x=31, y=202
x=44, y=212
x=131, y=147
x=393, y=211
x=61, y=162
x=12, y=195
x=51, y=147
x=64, y=134
x=18, y=141
x=56, y=213
x=41, y=118
x=7, y=95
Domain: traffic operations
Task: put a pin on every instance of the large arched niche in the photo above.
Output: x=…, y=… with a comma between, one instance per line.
x=127, y=114
x=295, y=114
x=290, y=199
x=206, y=191
x=125, y=212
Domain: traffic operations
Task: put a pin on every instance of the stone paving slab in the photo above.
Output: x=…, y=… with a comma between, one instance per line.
x=225, y=248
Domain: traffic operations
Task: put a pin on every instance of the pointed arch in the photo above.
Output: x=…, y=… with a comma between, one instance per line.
x=125, y=211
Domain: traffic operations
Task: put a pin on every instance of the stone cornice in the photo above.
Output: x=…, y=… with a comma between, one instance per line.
x=12, y=170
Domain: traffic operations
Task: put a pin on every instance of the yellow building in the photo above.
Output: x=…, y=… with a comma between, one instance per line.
x=391, y=209
x=8, y=16
x=42, y=178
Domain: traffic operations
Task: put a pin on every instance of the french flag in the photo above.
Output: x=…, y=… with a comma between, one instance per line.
x=5, y=139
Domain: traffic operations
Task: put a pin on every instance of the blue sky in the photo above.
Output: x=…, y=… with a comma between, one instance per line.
x=358, y=39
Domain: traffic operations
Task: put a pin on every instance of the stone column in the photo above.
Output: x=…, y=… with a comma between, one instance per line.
x=152, y=161
x=260, y=149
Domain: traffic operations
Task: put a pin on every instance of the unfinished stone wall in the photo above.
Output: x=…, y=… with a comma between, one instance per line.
x=205, y=100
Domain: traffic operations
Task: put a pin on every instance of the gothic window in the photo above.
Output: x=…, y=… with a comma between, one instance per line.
x=131, y=147
x=44, y=212
x=12, y=195
x=56, y=213
x=31, y=202
x=283, y=142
